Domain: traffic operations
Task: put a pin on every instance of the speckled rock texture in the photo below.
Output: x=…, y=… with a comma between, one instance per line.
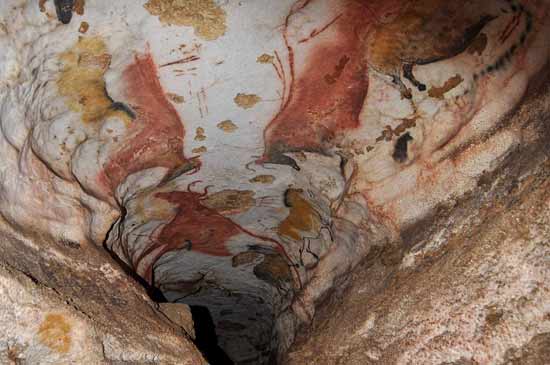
x=62, y=303
x=471, y=286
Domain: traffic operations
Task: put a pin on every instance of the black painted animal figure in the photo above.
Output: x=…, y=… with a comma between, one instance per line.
x=427, y=31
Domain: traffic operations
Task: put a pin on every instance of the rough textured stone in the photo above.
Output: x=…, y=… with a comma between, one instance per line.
x=245, y=156
x=63, y=303
x=474, y=289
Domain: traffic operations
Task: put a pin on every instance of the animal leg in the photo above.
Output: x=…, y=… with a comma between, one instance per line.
x=405, y=92
x=408, y=73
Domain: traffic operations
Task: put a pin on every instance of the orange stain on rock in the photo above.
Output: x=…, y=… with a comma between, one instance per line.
x=55, y=333
x=155, y=137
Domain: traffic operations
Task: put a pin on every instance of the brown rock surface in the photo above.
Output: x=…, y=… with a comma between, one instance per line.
x=63, y=303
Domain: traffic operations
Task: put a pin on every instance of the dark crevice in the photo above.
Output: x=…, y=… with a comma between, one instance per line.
x=206, y=337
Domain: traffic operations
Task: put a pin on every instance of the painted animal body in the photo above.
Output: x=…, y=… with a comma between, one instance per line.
x=326, y=90
x=197, y=228
x=427, y=31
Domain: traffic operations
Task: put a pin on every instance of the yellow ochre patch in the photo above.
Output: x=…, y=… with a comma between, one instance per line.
x=246, y=101
x=302, y=219
x=82, y=81
x=230, y=201
x=55, y=333
x=206, y=18
x=227, y=126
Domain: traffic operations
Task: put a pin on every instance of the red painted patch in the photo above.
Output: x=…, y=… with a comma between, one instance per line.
x=197, y=228
x=155, y=137
x=327, y=96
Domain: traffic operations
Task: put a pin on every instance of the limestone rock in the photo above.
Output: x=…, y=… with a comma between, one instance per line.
x=245, y=157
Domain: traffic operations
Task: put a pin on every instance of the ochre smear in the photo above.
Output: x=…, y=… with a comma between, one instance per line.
x=194, y=227
x=326, y=98
x=55, y=333
x=155, y=137
x=82, y=83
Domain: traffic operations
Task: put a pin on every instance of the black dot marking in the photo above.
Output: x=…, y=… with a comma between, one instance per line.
x=400, y=153
x=514, y=8
x=476, y=77
x=523, y=38
x=490, y=68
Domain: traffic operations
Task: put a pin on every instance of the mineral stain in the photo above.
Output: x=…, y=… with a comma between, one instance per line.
x=55, y=333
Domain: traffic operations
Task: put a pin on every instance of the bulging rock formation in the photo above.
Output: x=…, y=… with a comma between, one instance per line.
x=321, y=181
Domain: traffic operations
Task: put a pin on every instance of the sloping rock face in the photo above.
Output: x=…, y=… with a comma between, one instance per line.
x=246, y=157
x=63, y=303
x=474, y=289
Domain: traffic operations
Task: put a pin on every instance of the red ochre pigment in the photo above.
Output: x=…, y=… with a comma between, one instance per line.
x=327, y=97
x=155, y=136
x=197, y=228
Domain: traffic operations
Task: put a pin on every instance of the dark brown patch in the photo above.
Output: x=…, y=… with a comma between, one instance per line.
x=273, y=270
x=478, y=45
x=439, y=92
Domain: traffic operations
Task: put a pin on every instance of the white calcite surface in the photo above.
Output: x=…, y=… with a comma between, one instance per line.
x=245, y=156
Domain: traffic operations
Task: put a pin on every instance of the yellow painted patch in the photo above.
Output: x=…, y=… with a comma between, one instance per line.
x=246, y=101
x=265, y=58
x=55, y=333
x=227, y=126
x=302, y=218
x=205, y=16
x=263, y=179
x=82, y=81
x=178, y=99
x=230, y=201
x=199, y=136
x=201, y=149
x=84, y=26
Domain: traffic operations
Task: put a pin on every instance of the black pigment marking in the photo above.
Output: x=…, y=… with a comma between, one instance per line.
x=408, y=73
x=470, y=34
x=64, y=10
x=506, y=57
x=400, y=153
x=117, y=105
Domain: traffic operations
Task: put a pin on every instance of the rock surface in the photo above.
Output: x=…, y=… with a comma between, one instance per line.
x=475, y=287
x=62, y=303
x=245, y=156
